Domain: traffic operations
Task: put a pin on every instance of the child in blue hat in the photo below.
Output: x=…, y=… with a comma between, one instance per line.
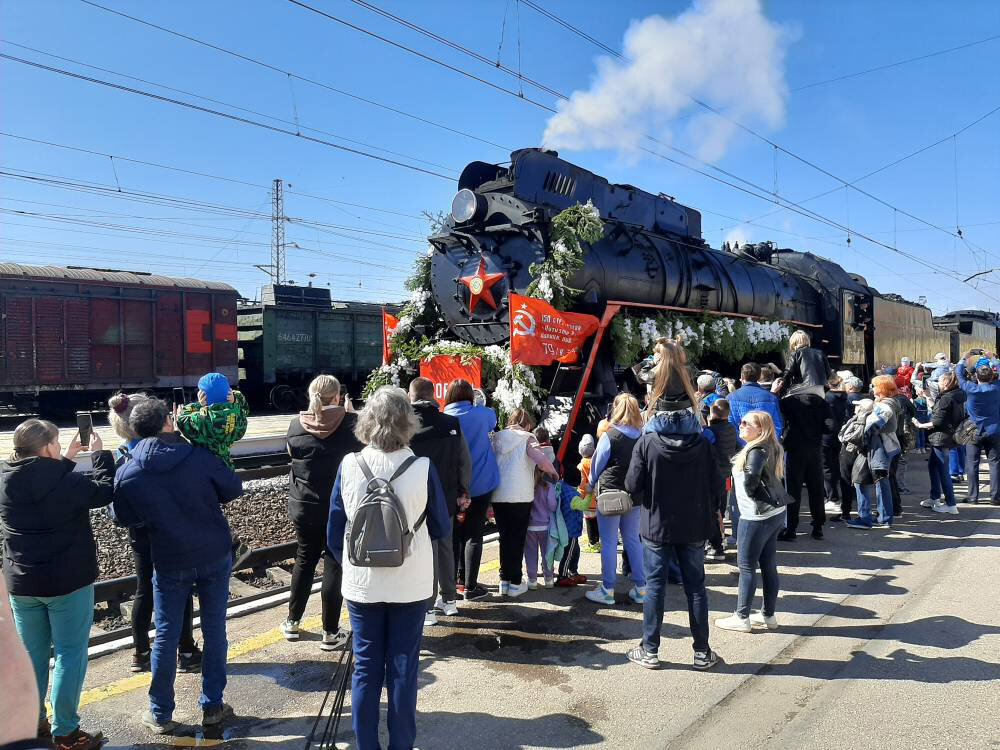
x=219, y=418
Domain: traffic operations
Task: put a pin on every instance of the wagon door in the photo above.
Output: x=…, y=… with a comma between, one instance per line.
x=106, y=341
x=138, y=360
x=19, y=345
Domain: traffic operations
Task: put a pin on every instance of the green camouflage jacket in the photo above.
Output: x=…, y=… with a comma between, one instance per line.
x=215, y=427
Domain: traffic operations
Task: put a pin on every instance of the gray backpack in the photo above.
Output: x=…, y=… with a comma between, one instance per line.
x=378, y=535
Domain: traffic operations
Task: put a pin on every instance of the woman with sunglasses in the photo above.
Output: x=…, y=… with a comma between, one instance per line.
x=761, y=461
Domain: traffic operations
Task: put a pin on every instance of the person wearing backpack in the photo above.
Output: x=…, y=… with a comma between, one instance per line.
x=983, y=405
x=947, y=414
x=388, y=568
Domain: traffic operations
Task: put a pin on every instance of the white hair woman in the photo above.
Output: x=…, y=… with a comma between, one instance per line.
x=50, y=565
x=318, y=439
x=387, y=604
x=759, y=466
x=189, y=656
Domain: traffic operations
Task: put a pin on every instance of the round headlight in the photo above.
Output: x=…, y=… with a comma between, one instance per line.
x=464, y=205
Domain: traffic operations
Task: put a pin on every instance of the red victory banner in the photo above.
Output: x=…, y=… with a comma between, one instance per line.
x=541, y=335
x=442, y=370
x=389, y=323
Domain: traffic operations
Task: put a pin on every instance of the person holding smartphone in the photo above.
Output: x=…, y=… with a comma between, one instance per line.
x=50, y=565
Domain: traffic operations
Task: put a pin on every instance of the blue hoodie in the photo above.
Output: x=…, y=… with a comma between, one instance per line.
x=176, y=490
x=983, y=403
x=477, y=424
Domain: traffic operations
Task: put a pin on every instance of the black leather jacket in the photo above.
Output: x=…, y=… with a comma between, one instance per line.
x=807, y=368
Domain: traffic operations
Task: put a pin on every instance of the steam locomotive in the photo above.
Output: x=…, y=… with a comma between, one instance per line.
x=653, y=253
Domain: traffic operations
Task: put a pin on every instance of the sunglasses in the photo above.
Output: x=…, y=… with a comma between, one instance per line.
x=744, y=423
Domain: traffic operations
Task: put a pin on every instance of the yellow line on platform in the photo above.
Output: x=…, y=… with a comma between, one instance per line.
x=248, y=646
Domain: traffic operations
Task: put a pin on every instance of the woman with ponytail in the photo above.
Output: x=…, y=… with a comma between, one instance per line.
x=760, y=465
x=672, y=406
x=318, y=439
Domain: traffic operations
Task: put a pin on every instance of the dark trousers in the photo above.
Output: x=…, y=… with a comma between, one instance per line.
x=656, y=561
x=569, y=566
x=171, y=589
x=937, y=467
x=593, y=532
x=311, y=540
x=805, y=466
x=897, y=498
x=386, y=651
x=467, y=540
x=847, y=459
x=831, y=472
x=989, y=446
x=142, y=602
x=512, y=524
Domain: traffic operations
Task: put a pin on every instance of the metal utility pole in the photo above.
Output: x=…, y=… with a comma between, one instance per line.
x=278, y=273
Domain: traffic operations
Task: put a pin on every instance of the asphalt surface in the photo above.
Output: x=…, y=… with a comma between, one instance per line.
x=887, y=639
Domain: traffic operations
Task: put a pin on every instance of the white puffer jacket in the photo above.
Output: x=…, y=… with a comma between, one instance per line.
x=414, y=579
x=517, y=470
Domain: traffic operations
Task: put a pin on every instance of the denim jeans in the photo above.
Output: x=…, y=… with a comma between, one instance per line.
x=867, y=494
x=734, y=517
x=758, y=547
x=937, y=466
x=956, y=461
x=629, y=525
x=386, y=650
x=60, y=624
x=171, y=589
x=142, y=602
x=656, y=559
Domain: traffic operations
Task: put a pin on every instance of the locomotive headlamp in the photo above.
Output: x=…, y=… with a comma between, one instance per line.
x=467, y=206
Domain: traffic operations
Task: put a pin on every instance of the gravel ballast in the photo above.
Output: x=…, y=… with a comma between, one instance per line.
x=258, y=517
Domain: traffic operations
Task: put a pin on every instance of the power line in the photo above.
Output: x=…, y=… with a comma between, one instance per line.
x=217, y=113
x=304, y=79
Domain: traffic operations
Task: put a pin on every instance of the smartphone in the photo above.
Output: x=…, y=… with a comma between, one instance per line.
x=85, y=424
x=178, y=396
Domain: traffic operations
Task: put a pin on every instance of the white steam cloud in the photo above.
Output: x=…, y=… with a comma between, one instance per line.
x=723, y=52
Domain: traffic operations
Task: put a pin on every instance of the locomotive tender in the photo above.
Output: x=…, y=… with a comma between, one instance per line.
x=653, y=253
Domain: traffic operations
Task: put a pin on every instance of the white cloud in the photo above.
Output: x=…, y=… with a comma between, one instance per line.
x=737, y=234
x=723, y=52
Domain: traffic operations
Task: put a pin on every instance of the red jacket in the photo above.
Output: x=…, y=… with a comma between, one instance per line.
x=903, y=375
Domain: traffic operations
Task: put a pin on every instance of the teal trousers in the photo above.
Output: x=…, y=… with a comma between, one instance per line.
x=59, y=624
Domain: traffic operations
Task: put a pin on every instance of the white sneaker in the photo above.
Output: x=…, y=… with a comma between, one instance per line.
x=951, y=510
x=532, y=584
x=516, y=589
x=430, y=619
x=504, y=588
x=549, y=583
x=734, y=622
x=601, y=595
x=928, y=503
x=832, y=508
x=449, y=609
x=759, y=618
x=290, y=629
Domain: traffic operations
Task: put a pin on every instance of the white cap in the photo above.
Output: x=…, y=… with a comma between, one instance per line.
x=705, y=381
x=904, y=361
x=941, y=357
x=586, y=446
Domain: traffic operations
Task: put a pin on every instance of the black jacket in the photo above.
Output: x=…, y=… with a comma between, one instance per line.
x=613, y=476
x=838, y=403
x=677, y=479
x=948, y=413
x=806, y=417
x=806, y=367
x=48, y=544
x=315, y=461
x=727, y=445
x=440, y=439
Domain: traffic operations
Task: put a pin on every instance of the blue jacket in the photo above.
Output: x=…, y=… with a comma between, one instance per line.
x=573, y=518
x=752, y=397
x=177, y=490
x=477, y=424
x=983, y=402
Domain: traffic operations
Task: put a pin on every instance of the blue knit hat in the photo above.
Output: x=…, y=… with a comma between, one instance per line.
x=215, y=386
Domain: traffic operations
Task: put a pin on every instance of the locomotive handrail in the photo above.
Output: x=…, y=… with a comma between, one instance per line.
x=696, y=311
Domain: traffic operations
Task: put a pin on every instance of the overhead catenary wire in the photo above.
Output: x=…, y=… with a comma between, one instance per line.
x=218, y=113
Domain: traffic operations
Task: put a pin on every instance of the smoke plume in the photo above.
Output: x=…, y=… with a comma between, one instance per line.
x=724, y=52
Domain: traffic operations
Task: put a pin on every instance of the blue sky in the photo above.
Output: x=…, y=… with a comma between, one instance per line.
x=849, y=127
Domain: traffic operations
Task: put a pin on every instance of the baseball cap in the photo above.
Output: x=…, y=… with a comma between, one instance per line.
x=215, y=386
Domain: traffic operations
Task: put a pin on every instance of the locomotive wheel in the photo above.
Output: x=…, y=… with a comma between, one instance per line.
x=283, y=398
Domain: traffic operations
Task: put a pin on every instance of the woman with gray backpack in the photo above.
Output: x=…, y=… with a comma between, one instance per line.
x=386, y=506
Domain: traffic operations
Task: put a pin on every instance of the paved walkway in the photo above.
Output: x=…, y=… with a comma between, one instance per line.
x=888, y=639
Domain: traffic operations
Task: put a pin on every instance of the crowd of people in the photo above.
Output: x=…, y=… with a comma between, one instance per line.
x=394, y=500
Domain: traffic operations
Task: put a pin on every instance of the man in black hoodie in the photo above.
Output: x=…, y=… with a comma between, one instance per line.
x=675, y=475
x=440, y=439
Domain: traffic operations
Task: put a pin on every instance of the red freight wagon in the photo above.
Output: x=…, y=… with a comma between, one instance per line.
x=74, y=335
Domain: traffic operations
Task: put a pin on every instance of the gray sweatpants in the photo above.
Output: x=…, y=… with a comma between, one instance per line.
x=444, y=570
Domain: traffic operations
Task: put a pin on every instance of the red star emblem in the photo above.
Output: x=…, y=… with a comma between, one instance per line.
x=479, y=285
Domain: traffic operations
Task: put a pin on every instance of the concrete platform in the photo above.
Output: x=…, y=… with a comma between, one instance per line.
x=888, y=639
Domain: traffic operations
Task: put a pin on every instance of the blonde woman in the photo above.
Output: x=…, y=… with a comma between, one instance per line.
x=761, y=462
x=672, y=407
x=318, y=439
x=808, y=369
x=609, y=466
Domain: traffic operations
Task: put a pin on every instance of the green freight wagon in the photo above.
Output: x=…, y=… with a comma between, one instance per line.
x=296, y=333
